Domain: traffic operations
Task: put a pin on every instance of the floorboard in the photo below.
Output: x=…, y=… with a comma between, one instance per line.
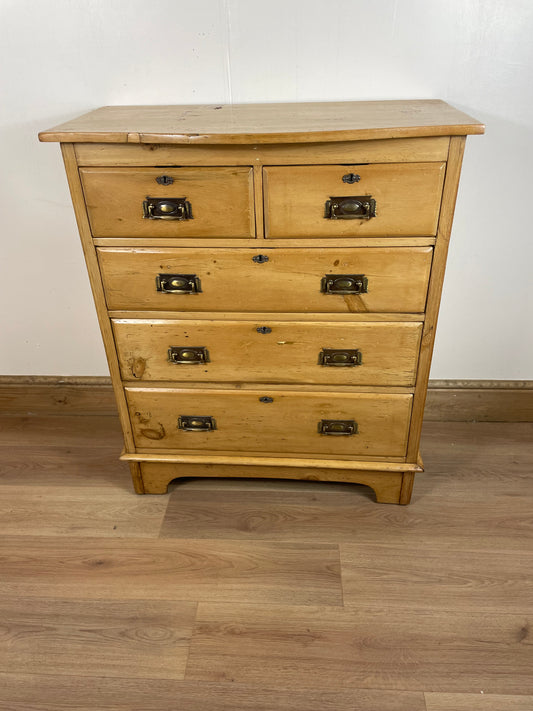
x=29, y=692
x=477, y=702
x=378, y=648
x=263, y=595
x=137, y=569
x=95, y=638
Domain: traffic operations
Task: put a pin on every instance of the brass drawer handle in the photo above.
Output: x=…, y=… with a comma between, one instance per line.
x=343, y=358
x=188, y=355
x=354, y=207
x=337, y=427
x=167, y=209
x=178, y=283
x=344, y=284
x=196, y=423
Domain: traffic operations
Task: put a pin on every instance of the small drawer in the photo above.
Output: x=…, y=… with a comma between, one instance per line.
x=169, y=202
x=268, y=351
x=370, y=279
x=270, y=421
x=388, y=200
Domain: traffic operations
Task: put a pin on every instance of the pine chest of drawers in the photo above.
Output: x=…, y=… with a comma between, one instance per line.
x=267, y=280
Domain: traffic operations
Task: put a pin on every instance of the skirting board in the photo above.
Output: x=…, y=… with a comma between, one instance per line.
x=448, y=400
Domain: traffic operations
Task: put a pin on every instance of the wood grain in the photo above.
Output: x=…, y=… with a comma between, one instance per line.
x=144, y=569
x=407, y=199
x=266, y=123
x=287, y=422
x=77, y=511
x=289, y=353
x=86, y=466
x=362, y=647
x=54, y=430
x=23, y=692
x=436, y=596
x=95, y=638
x=438, y=577
x=449, y=196
x=386, y=485
x=289, y=282
x=477, y=702
x=399, y=150
x=222, y=201
x=445, y=515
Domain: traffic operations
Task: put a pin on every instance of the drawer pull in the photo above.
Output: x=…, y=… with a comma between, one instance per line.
x=347, y=358
x=344, y=284
x=196, y=423
x=260, y=258
x=337, y=427
x=178, y=283
x=188, y=355
x=167, y=209
x=263, y=329
x=354, y=207
x=265, y=398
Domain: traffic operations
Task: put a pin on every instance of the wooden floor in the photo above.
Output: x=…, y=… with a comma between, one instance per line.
x=263, y=596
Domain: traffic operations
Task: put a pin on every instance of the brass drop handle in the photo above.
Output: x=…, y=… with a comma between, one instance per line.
x=196, y=423
x=185, y=355
x=178, y=284
x=337, y=428
x=167, y=209
x=343, y=357
x=352, y=207
x=344, y=284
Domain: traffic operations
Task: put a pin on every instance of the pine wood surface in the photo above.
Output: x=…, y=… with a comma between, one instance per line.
x=287, y=422
x=288, y=354
x=395, y=150
x=407, y=199
x=449, y=195
x=222, y=202
x=266, y=123
x=268, y=595
x=289, y=282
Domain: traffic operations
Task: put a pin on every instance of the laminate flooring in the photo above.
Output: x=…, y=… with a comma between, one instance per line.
x=263, y=595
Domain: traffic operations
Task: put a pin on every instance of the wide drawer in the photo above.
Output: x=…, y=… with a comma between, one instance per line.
x=268, y=351
x=208, y=202
x=316, y=201
x=270, y=421
x=378, y=279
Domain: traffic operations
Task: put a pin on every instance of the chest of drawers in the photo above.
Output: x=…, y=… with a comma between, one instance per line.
x=267, y=281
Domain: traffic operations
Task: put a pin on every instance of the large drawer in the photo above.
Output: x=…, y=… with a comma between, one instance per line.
x=125, y=202
x=378, y=279
x=270, y=421
x=313, y=201
x=268, y=351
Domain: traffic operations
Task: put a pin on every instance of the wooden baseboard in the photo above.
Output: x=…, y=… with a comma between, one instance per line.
x=448, y=400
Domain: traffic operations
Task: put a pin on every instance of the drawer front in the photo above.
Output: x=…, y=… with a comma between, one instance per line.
x=268, y=351
x=380, y=279
x=312, y=201
x=169, y=202
x=270, y=421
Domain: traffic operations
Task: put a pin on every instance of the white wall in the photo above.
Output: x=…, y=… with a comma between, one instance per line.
x=61, y=58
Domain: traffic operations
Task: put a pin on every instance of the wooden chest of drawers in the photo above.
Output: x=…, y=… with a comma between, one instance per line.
x=267, y=280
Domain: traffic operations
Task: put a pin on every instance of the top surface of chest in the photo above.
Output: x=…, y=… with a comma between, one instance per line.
x=266, y=123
